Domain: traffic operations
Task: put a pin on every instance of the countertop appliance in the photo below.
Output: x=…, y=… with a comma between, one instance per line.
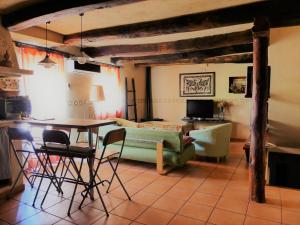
x=13, y=107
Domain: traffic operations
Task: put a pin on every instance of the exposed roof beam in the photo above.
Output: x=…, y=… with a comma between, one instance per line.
x=196, y=55
x=277, y=11
x=239, y=58
x=194, y=44
x=42, y=12
x=37, y=35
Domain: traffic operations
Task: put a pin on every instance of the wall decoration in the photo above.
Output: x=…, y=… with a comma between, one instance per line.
x=237, y=85
x=10, y=84
x=197, y=84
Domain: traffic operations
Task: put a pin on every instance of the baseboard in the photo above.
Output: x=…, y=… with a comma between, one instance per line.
x=238, y=139
x=6, y=194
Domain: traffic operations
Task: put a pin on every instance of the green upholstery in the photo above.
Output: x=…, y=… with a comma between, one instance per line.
x=125, y=123
x=212, y=141
x=140, y=144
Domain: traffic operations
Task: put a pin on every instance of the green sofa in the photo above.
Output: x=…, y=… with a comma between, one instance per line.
x=162, y=147
x=212, y=141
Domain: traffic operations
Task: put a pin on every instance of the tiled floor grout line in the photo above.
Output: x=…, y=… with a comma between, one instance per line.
x=237, y=167
x=281, y=206
x=163, y=195
x=40, y=210
x=191, y=196
x=44, y=210
x=116, y=197
x=215, y=206
x=149, y=206
x=134, y=195
x=246, y=212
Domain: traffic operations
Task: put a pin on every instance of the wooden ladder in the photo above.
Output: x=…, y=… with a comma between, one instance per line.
x=133, y=104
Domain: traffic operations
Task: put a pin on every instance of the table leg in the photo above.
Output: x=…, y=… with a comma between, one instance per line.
x=267, y=173
x=91, y=163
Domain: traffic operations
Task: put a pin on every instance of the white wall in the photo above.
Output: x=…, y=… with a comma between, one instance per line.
x=138, y=74
x=168, y=105
x=81, y=86
x=284, y=104
x=284, y=108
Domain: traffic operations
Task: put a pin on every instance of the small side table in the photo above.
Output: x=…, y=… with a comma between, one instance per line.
x=246, y=148
x=268, y=147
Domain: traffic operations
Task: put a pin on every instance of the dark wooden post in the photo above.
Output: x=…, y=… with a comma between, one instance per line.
x=259, y=109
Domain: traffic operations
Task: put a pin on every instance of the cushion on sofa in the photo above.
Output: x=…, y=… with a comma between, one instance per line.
x=142, y=137
x=149, y=155
x=187, y=140
x=125, y=123
x=138, y=145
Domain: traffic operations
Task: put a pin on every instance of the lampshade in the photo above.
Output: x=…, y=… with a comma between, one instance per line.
x=82, y=58
x=47, y=62
x=98, y=94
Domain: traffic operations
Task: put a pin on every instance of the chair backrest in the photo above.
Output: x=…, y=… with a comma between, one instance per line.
x=56, y=136
x=19, y=134
x=114, y=136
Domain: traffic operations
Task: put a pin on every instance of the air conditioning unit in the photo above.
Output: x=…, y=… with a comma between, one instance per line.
x=87, y=67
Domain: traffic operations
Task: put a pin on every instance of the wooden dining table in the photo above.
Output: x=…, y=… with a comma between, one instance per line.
x=86, y=124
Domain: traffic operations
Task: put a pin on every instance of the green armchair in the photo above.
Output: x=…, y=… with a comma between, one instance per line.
x=212, y=141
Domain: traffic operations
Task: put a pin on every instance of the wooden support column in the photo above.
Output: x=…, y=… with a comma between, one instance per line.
x=259, y=109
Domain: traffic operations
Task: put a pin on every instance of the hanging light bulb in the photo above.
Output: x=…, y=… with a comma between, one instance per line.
x=47, y=62
x=82, y=57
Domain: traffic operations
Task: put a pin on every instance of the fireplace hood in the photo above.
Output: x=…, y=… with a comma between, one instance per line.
x=9, y=71
x=9, y=65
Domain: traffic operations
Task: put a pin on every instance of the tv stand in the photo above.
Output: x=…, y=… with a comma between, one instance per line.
x=195, y=119
x=199, y=123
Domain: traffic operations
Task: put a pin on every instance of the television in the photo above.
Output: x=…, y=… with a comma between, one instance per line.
x=200, y=109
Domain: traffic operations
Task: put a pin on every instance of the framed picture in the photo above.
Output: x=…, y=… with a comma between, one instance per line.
x=197, y=84
x=237, y=85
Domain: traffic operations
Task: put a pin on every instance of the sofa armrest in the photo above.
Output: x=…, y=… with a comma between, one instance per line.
x=205, y=135
x=214, y=140
x=159, y=153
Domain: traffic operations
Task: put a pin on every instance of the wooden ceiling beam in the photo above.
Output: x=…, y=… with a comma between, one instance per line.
x=42, y=12
x=238, y=58
x=279, y=13
x=187, y=45
x=197, y=55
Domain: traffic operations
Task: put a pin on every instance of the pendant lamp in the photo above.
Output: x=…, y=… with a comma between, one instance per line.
x=47, y=62
x=82, y=58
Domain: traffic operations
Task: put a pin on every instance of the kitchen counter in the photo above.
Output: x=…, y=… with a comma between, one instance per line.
x=9, y=167
x=6, y=123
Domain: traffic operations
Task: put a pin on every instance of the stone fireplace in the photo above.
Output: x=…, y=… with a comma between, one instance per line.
x=9, y=71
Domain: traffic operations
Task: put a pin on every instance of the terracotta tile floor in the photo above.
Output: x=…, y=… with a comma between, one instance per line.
x=199, y=193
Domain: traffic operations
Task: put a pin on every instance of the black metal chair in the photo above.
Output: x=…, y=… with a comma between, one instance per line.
x=20, y=134
x=57, y=143
x=106, y=156
x=22, y=155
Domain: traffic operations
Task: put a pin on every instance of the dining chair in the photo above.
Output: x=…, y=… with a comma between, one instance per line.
x=106, y=156
x=21, y=134
x=57, y=142
x=21, y=153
